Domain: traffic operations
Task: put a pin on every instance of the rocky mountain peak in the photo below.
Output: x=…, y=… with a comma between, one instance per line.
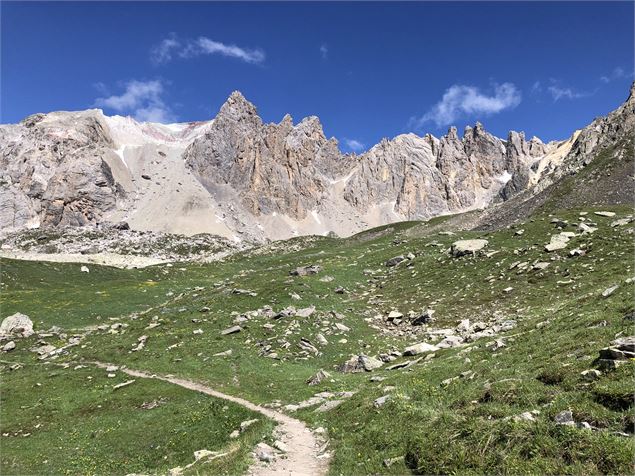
x=237, y=107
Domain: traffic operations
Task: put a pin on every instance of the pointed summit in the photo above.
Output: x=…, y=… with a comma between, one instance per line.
x=237, y=107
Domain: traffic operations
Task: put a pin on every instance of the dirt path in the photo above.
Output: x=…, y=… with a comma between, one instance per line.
x=304, y=454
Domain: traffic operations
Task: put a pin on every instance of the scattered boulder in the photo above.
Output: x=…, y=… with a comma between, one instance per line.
x=246, y=424
x=16, y=325
x=84, y=269
x=318, y=377
x=360, y=363
x=565, y=418
x=591, y=375
x=264, y=452
x=306, y=312
x=621, y=222
x=467, y=247
x=608, y=291
x=527, y=416
x=394, y=315
x=620, y=350
x=381, y=401
x=321, y=339
x=279, y=445
x=557, y=242
x=424, y=318
x=8, y=347
x=420, y=348
x=605, y=214
x=225, y=353
x=231, y=330
x=395, y=261
x=124, y=384
x=450, y=341
x=306, y=270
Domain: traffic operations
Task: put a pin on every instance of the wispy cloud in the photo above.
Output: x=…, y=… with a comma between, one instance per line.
x=162, y=53
x=617, y=73
x=141, y=99
x=558, y=91
x=324, y=51
x=172, y=47
x=354, y=145
x=466, y=101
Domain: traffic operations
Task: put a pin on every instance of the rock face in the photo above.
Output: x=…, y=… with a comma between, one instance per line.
x=53, y=171
x=240, y=178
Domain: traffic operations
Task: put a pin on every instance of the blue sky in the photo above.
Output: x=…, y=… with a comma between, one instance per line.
x=368, y=70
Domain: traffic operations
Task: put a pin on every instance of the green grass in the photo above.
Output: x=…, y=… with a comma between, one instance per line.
x=464, y=427
x=63, y=421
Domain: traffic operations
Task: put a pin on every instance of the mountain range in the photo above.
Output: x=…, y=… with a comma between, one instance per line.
x=246, y=180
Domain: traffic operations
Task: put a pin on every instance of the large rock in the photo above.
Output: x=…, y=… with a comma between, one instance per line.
x=360, y=363
x=420, y=348
x=16, y=325
x=467, y=247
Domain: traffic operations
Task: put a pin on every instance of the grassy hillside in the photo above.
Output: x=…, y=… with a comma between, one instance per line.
x=450, y=413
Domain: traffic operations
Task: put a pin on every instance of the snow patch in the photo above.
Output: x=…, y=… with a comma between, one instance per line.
x=504, y=177
x=316, y=217
x=120, y=152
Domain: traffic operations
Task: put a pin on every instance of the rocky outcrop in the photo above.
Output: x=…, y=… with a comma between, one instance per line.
x=53, y=172
x=274, y=168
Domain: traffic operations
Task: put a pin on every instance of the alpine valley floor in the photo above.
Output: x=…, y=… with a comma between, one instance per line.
x=510, y=381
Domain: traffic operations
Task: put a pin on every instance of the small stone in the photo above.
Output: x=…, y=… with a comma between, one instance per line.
x=84, y=269
x=246, y=424
x=124, y=384
x=591, y=375
x=231, y=330
x=8, y=347
x=200, y=454
x=394, y=315
x=608, y=291
x=564, y=418
x=225, y=353
x=264, y=452
x=280, y=446
x=321, y=339
x=395, y=261
x=318, y=377
x=381, y=401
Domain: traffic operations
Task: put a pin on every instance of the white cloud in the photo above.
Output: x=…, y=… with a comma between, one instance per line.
x=324, y=51
x=463, y=101
x=171, y=46
x=162, y=53
x=617, y=73
x=559, y=92
x=141, y=99
x=536, y=87
x=354, y=145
